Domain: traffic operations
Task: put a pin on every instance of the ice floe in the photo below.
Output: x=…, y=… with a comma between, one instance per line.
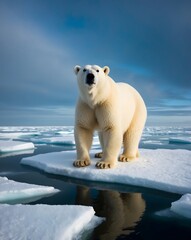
x=17, y=192
x=10, y=146
x=45, y=222
x=18, y=135
x=61, y=140
x=182, y=206
x=66, y=140
x=15, y=153
x=180, y=140
x=167, y=170
x=64, y=135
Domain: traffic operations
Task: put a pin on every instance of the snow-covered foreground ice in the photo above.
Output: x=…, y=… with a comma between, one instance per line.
x=45, y=222
x=17, y=192
x=11, y=146
x=182, y=206
x=167, y=170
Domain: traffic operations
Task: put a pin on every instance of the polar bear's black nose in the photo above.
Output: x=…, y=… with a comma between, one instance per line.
x=90, y=79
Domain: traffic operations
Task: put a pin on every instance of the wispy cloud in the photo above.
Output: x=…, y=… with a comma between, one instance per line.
x=33, y=64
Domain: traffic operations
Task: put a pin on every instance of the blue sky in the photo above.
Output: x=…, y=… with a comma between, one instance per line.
x=145, y=43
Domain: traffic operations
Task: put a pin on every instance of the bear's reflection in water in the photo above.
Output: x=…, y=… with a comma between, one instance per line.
x=122, y=211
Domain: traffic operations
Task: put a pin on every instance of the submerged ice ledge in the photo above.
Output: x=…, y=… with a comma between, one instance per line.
x=17, y=192
x=162, y=169
x=182, y=206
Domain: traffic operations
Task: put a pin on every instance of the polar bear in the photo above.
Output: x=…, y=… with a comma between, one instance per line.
x=115, y=110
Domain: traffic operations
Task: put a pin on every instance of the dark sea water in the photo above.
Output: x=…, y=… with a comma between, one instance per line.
x=129, y=212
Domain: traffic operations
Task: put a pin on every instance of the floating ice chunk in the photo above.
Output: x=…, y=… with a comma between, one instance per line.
x=45, y=222
x=15, y=153
x=154, y=142
x=66, y=140
x=182, y=206
x=180, y=140
x=17, y=192
x=10, y=146
x=65, y=132
x=16, y=135
x=156, y=169
x=61, y=140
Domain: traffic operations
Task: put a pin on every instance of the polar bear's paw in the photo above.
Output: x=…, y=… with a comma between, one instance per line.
x=81, y=163
x=124, y=158
x=104, y=165
x=99, y=155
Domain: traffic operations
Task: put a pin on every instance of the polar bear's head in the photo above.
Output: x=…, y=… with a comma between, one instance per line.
x=90, y=75
x=93, y=83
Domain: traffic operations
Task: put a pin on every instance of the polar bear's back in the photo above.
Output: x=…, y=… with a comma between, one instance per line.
x=130, y=94
x=131, y=104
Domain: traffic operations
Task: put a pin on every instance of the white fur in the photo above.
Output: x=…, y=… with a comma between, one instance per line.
x=116, y=110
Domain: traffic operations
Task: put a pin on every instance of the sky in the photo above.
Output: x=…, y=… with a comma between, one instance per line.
x=146, y=44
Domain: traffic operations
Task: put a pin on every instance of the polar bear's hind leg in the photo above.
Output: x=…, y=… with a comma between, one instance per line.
x=101, y=140
x=131, y=142
x=99, y=155
x=112, y=140
x=124, y=158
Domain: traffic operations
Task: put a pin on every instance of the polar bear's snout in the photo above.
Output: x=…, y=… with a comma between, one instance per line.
x=90, y=79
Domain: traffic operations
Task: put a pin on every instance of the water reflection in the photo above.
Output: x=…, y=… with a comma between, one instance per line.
x=122, y=211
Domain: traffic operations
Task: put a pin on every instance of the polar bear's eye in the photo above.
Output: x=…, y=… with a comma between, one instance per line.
x=84, y=70
x=97, y=70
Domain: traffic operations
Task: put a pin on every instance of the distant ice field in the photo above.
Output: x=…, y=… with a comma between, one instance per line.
x=152, y=137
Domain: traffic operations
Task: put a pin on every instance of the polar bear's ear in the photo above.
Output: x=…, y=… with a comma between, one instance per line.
x=77, y=69
x=106, y=70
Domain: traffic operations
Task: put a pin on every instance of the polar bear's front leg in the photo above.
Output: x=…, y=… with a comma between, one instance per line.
x=83, y=140
x=112, y=145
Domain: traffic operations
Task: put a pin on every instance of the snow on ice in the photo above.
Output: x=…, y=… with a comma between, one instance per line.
x=45, y=222
x=162, y=169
